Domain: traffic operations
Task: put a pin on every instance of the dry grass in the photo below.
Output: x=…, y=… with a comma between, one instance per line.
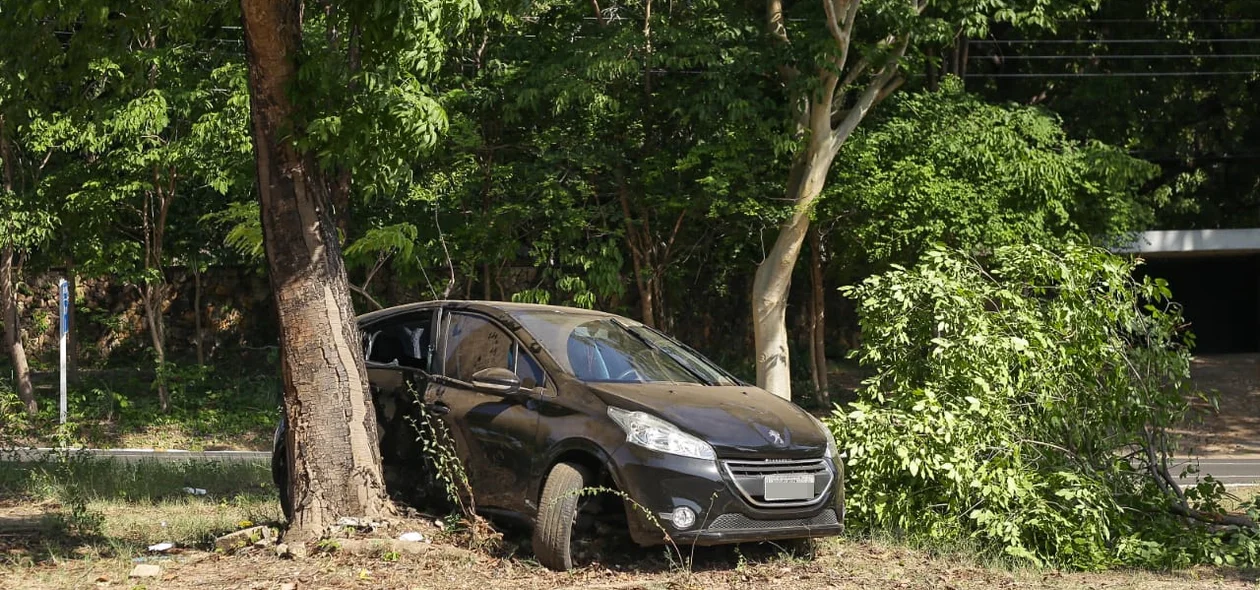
x=864, y=565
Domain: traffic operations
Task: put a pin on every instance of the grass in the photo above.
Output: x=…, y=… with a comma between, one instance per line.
x=212, y=408
x=86, y=523
x=75, y=509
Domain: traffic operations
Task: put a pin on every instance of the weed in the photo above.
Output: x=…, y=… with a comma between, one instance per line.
x=439, y=450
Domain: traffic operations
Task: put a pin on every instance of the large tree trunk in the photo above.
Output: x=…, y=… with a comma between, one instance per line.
x=13, y=333
x=334, y=464
x=774, y=274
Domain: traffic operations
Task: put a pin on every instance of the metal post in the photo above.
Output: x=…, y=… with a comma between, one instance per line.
x=63, y=299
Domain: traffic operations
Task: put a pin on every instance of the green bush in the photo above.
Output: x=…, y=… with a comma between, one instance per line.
x=1022, y=401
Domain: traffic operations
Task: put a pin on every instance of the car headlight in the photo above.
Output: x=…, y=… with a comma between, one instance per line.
x=650, y=432
x=832, y=453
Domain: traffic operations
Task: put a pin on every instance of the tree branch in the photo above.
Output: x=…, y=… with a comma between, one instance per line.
x=871, y=95
x=356, y=289
x=778, y=29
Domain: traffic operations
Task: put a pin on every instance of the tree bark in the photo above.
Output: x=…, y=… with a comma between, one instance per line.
x=826, y=118
x=13, y=333
x=774, y=275
x=8, y=295
x=334, y=464
x=198, y=340
x=817, y=317
x=154, y=290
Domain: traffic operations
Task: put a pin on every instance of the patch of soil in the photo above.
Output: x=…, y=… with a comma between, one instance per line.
x=1233, y=427
x=852, y=565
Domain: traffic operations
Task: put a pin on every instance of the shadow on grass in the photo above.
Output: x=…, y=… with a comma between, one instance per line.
x=84, y=508
x=135, y=481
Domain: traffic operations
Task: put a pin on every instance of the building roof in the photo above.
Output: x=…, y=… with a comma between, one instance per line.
x=1194, y=241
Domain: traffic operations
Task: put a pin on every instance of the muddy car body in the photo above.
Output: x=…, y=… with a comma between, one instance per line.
x=541, y=401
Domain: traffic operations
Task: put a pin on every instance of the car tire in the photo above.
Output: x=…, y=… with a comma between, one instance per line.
x=557, y=511
x=280, y=475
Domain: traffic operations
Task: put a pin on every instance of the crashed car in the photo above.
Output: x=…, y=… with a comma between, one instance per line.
x=544, y=401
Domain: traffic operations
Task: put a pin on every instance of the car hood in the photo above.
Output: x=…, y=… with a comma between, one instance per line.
x=738, y=421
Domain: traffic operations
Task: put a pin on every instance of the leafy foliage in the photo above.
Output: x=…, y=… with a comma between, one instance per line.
x=946, y=167
x=1023, y=400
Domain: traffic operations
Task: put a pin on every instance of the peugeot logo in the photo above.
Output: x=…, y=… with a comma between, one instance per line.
x=775, y=437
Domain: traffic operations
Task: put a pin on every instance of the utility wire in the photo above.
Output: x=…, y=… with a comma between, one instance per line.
x=1105, y=41
x=1136, y=56
x=1117, y=74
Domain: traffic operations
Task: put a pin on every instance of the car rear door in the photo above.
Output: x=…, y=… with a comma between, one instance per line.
x=495, y=435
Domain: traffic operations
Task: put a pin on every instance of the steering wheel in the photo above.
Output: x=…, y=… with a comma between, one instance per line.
x=629, y=375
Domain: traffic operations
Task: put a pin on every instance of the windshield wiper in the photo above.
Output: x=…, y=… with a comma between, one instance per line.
x=670, y=355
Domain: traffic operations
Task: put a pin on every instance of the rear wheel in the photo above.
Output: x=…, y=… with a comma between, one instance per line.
x=557, y=511
x=280, y=474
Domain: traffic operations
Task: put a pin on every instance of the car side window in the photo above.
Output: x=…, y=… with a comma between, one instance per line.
x=406, y=342
x=527, y=368
x=473, y=344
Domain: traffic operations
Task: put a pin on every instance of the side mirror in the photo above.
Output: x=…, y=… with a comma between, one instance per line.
x=496, y=381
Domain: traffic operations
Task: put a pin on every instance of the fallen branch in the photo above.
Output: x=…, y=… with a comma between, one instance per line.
x=1237, y=520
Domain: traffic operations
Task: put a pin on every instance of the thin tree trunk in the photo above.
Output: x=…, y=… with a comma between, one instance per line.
x=486, y=284
x=197, y=335
x=647, y=311
x=8, y=295
x=334, y=463
x=774, y=275
x=152, y=298
x=13, y=333
x=817, y=323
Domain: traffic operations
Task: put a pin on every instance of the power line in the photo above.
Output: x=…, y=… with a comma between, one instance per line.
x=1105, y=41
x=1137, y=56
x=1116, y=74
x=1175, y=21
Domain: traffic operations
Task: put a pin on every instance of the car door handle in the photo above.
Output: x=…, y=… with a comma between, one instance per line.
x=438, y=408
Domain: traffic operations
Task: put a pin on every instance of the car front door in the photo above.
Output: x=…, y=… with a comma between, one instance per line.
x=495, y=434
x=398, y=352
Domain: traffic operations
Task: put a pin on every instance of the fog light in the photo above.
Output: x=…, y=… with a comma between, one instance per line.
x=683, y=517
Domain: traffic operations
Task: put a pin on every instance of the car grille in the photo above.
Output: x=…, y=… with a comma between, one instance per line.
x=739, y=522
x=749, y=479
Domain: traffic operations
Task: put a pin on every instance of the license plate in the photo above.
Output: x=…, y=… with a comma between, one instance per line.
x=789, y=487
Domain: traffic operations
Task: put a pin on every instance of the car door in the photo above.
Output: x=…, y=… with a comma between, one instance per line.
x=398, y=352
x=495, y=434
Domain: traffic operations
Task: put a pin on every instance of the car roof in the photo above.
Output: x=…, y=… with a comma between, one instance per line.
x=501, y=309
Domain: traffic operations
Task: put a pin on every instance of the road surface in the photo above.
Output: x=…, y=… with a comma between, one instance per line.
x=37, y=454
x=1231, y=470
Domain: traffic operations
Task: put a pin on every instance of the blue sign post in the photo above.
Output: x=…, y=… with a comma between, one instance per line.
x=63, y=300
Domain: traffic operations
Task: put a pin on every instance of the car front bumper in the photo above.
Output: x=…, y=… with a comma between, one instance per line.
x=657, y=483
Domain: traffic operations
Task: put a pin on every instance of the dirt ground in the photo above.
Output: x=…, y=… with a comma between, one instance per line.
x=1234, y=428
x=838, y=564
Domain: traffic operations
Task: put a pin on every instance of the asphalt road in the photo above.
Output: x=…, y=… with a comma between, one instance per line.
x=24, y=455
x=1233, y=471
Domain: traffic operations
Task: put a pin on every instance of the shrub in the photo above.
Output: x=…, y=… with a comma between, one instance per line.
x=1023, y=401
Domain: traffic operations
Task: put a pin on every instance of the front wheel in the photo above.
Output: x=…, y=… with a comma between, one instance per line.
x=557, y=511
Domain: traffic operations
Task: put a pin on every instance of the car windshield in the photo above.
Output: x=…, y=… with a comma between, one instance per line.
x=604, y=349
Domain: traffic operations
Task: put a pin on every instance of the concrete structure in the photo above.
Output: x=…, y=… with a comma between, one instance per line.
x=1215, y=274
